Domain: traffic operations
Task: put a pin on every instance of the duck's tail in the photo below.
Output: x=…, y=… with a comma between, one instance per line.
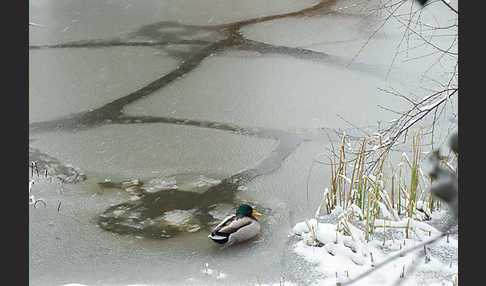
x=219, y=237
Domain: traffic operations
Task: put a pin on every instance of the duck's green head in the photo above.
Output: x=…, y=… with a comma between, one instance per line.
x=246, y=210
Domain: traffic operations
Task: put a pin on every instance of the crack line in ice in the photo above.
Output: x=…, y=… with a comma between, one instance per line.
x=214, y=39
x=217, y=38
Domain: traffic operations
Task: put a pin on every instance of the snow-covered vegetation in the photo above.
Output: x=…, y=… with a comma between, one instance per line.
x=394, y=222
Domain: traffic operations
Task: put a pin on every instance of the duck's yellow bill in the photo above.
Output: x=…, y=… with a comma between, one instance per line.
x=256, y=213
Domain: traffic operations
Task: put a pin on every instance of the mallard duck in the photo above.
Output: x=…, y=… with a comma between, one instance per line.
x=238, y=227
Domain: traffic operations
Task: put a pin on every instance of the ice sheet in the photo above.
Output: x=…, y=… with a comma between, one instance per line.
x=154, y=150
x=357, y=32
x=65, y=81
x=64, y=21
x=248, y=89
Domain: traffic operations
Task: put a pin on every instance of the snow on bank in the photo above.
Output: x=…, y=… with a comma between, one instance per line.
x=342, y=257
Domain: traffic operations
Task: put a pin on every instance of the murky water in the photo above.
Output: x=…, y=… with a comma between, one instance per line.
x=155, y=119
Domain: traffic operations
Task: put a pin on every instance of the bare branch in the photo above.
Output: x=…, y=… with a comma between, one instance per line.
x=450, y=7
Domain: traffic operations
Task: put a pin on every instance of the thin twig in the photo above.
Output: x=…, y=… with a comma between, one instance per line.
x=450, y=7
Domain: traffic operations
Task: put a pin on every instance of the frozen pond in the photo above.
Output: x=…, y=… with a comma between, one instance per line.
x=155, y=119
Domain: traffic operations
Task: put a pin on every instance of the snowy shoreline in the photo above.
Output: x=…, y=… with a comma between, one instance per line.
x=341, y=257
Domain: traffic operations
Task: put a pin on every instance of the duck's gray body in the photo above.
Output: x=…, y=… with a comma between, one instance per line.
x=235, y=229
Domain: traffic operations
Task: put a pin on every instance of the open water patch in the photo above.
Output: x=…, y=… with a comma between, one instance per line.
x=165, y=207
